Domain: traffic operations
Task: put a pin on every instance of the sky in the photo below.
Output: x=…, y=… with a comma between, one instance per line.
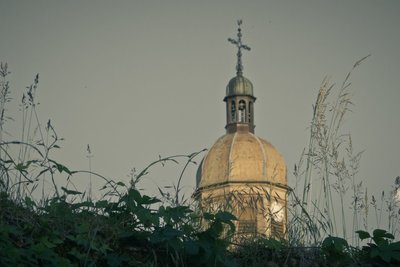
x=139, y=79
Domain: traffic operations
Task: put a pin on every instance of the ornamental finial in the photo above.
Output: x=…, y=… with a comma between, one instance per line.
x=239, y=45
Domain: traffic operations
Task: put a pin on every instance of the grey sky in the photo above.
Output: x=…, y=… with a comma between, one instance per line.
x=135, y=79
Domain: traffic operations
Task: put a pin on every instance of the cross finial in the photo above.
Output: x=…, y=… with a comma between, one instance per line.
x=239, y=45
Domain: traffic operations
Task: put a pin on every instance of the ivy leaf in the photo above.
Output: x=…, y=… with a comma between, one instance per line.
x=61, y=168
x=379, y=233
x=362, y=234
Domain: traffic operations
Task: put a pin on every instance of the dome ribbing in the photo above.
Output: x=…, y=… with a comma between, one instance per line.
x=241, y=157
x=239, y=85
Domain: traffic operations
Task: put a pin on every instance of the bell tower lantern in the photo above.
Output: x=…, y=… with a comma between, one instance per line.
x=239, y=94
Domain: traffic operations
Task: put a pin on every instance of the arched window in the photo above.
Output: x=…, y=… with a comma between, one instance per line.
x=242, y=111
x=233, y=111
x=250, y=111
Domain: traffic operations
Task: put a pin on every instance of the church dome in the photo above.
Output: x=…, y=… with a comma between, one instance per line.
x=241, y=157
x=239, y=85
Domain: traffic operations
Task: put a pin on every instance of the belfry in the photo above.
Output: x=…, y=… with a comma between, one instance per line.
x=242, y=173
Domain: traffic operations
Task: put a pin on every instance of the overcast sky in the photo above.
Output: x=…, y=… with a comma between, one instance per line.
x=138, y=79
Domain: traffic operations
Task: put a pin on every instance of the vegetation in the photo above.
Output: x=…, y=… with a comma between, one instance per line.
x=327, y=174
x=49, y=223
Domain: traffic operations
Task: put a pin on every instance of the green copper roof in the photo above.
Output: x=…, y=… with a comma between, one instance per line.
x=239, y=85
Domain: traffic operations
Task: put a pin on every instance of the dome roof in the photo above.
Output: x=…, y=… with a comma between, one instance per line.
x=241, y=157
x=239, y=85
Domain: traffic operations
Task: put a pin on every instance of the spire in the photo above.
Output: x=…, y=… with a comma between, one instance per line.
x=239, y=45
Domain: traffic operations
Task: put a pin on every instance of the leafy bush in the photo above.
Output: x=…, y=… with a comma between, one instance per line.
x=380, y=249
x=125, y=232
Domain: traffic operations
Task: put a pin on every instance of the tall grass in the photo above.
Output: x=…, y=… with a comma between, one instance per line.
x=26, y=161
x=326, y=174
x=328, y=167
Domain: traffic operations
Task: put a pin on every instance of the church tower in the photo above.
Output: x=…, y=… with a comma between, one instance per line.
x=242, y=173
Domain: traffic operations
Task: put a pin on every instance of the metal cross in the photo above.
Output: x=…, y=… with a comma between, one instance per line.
x=239, y=45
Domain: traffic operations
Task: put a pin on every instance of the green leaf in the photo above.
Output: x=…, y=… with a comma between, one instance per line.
x=21, y=167
x=379, y=233
x=338, y=243
x=61, y=168
x=224, y=216
x=208, y=216
x=174, y=214
x=29, y=202
x=146, y=200
x=362, y=234
x=70, y=192
x=327, y=242
x=135, y=194
x=389, y=235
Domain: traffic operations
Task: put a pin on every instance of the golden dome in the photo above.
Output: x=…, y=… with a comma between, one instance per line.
x=241, y=157
x=239, y=85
